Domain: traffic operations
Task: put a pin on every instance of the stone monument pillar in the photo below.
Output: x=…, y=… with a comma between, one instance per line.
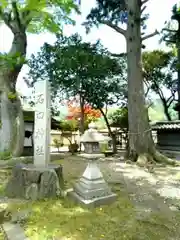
x=42, y=121
x=41, y=179
x=91, y=189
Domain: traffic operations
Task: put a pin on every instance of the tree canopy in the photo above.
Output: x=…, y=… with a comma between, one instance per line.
x=159, y=68
x=81, y=69
x=23, y=16
x=171, y=36
x=76, y=67
x=35, y=16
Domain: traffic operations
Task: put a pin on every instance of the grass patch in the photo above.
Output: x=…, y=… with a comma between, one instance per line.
x=62, y=219
x=2, y=237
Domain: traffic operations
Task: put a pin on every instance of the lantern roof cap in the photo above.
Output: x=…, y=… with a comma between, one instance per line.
x=92, y=135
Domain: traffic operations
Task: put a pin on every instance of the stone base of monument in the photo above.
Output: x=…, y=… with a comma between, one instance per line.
x=91, y=189
x=35, y=183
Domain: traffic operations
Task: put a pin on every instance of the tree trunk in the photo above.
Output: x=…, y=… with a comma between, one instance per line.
x=11, y=114
x=12, y=126
x=178, y=48
x=141, y=145
x=82, y=114
x=112, y=135
x=166, y=112
x=140, y=137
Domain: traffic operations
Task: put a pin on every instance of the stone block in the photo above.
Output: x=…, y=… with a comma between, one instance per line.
x=35, y=183
x=94, y=202
x=91, y=189
x=14, y=231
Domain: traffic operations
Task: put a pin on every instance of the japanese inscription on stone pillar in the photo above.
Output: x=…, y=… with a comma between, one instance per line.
x=42, y=124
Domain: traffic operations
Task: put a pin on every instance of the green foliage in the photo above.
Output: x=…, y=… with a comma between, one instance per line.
x=12, y=96
x=75, y=67
x=119, y=118
x=6, y=155
x=106, y=10
x=57, y=143
x=103, y=147
x=34, y=16
x=111, y=13
x=119, y=220
x=11, y=60
x=170, y=33
x=156, y=113
x=38, y=15
x=69, y=125
x=159, y=68
x=73, y=147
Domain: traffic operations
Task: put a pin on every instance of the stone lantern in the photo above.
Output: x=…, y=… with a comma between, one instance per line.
x=91, y=188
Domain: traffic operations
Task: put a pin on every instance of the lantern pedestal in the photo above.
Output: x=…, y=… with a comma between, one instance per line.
x=91, y=189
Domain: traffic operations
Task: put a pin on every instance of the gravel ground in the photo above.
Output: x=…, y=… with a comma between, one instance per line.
x=157, y=191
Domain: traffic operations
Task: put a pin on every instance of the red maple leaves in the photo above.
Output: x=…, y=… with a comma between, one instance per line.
x=74, y=111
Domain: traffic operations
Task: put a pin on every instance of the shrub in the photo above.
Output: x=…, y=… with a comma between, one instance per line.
x=73, y=147
x=6, y=155
x=57, y=143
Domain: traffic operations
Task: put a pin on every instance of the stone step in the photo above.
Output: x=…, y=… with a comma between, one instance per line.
x=14, y=231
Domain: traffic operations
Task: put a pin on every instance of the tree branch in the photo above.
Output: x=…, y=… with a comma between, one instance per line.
x=115, y=27
x=16, y=13
x=143, y=9
x=6, y=17
x=144, y=2
x=27, y=17
x=149, y=105
x=121, y=54
x=147, y=86
x=149, y=35
x=168, y=41
x=160, y=92
x=106, y=109
x=169, y=30
x=170, y=101
x=118, y=54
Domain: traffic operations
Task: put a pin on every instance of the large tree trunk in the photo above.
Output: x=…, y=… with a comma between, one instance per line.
x=141, y=145
x=140, y=137
x=12, y=125
x=11, y=115
x=178, y=47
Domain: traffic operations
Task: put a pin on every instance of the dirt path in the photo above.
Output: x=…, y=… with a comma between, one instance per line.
x=150, y=192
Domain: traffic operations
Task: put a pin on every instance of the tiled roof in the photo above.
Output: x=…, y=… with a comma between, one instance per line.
x=172, y=125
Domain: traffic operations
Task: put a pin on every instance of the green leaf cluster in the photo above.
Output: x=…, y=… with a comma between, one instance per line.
x=80, y=68
x=69, y=125
x=36, y=16
x=119, y=118
x=159, y=67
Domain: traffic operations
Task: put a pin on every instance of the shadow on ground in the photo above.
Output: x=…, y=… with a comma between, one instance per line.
x=140, y=212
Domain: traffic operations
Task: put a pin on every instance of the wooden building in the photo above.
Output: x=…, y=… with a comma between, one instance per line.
x=168, y=135
x=29, y=127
